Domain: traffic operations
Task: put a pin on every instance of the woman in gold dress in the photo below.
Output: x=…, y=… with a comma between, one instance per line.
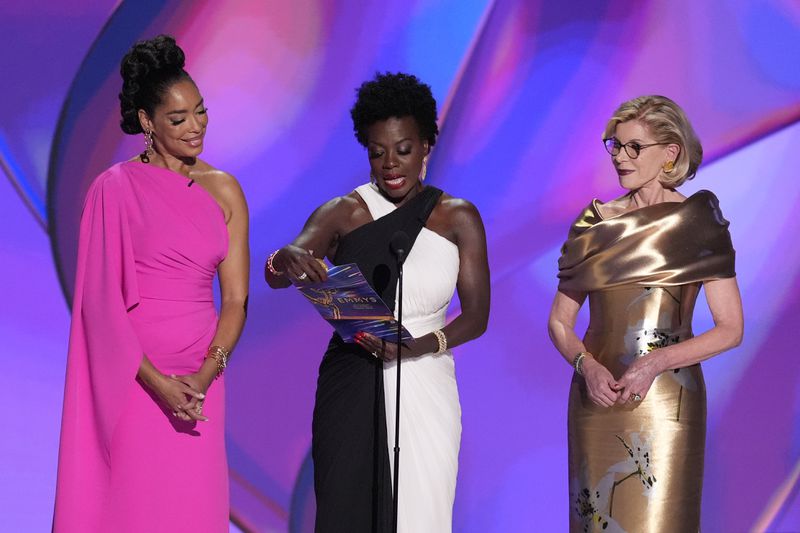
x=637, y=404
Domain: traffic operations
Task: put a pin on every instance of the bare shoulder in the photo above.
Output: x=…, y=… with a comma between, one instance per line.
x=344, y=213
x=458, y=210
x=216, y=178
x=221, y=184
x=339, y=206
x=457, y=220
x=333, y=212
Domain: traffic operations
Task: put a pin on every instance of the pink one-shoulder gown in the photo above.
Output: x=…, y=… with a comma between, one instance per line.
x=149, y=249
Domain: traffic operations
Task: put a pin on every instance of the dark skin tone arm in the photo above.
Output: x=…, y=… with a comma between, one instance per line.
x=455, y=219
x=318, y=239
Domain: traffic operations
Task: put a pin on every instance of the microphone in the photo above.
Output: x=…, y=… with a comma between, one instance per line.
x=399, y=245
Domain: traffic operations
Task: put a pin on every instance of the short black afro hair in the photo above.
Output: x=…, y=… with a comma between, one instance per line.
x=394, y=95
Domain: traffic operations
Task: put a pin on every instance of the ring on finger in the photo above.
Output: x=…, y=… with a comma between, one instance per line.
x=375, y=354
x=302, y=276
x=636, y=398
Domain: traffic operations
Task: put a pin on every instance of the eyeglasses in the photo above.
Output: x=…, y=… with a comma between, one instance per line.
x=632, y=148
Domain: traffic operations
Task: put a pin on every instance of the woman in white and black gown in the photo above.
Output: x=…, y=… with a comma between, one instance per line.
x=353, y=429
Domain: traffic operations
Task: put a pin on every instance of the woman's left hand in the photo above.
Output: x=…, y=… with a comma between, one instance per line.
x=638, y=378
x=380, y=348
x=197, y=382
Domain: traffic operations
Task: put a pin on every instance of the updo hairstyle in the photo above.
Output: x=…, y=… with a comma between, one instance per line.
x=148, y=70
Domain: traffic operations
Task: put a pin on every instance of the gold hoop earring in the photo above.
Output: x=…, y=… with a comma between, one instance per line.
x=669, y=166
x=148, y=146
x=424, y=171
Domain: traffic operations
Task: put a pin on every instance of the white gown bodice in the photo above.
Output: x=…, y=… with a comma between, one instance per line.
x=430, y=271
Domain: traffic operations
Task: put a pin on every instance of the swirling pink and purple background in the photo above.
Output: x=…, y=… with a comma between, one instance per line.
x=525, y=88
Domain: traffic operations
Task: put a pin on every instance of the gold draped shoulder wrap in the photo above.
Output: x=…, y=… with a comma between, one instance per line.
x=662, y=245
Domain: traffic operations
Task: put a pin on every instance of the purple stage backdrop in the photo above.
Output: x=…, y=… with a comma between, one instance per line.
x=525, y=88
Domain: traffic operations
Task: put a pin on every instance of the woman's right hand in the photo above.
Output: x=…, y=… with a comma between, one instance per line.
x=176, y=395
x=300, y=264
x=601, y=386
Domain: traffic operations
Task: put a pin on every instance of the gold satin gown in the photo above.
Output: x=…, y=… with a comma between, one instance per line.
x=639, y=467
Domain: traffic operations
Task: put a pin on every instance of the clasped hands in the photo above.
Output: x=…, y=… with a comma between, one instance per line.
x=183, y=395
x=632, y=387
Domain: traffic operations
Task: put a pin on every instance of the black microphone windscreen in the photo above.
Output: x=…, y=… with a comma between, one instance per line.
x=400, y=243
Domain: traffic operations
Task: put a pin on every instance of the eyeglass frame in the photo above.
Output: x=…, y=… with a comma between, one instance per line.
x=625, y=147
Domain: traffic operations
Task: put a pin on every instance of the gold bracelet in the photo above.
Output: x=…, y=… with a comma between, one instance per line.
x=577, y=363
x=441, y=338
x=220, y=355
x=270, y=266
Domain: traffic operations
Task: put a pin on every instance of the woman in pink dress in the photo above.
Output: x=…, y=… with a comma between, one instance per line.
x=142, y=437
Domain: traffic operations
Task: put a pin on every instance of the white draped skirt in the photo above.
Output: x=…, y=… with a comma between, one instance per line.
x=430, y=437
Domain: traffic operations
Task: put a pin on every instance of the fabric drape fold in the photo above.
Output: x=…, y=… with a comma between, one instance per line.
x=662, y=245
x=105, y=352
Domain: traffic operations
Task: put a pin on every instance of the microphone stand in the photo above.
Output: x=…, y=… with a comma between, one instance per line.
x=396, y=481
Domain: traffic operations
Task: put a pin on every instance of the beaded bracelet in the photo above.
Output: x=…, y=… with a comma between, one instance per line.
x=441, y=338
x=270, y=266
x=577, y=363
x=220, y=355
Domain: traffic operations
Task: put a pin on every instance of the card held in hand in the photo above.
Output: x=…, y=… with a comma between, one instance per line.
x=350, y=305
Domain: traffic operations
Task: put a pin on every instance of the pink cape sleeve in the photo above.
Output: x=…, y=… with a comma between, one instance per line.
x=104, y=353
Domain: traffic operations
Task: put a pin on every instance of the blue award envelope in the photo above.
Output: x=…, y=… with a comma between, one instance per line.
x=350, y=305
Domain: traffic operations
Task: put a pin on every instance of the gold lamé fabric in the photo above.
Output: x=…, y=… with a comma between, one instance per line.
x=639, y=467
x=662, y=245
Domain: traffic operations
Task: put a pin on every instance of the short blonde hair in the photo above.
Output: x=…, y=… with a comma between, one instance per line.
x=667, y=122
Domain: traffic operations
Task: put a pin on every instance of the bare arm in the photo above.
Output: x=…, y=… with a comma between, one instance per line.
x=473, y=285
x=473, y=290
x=234, y=273
x=315, y=240
x=725, y=304
x=600, y=384
x=561, y=324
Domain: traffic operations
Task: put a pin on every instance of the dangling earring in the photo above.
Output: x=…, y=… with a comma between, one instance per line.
x=148, y=146
x=424, y=171
x=669, y=166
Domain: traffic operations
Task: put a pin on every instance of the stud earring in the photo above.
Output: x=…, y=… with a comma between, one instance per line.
x=669, y=166
x=148, y=146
